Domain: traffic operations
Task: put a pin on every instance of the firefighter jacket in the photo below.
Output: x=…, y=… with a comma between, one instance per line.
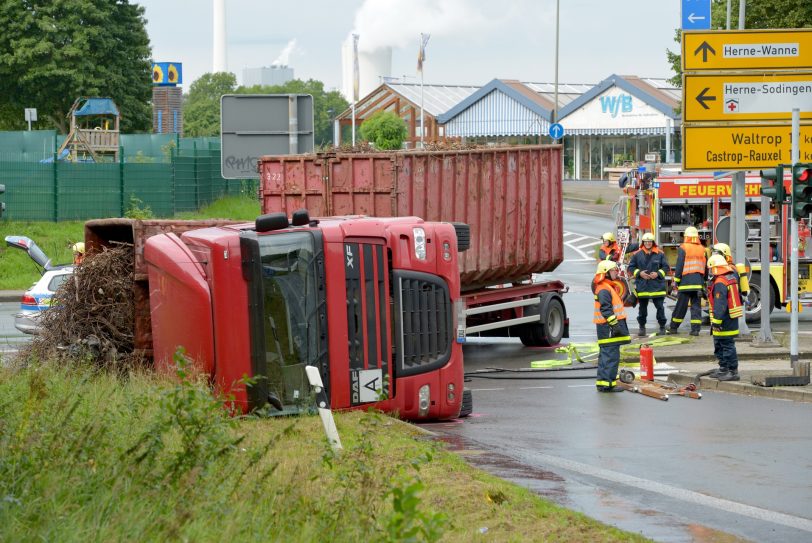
x=609, y=317
x=649, y=261
x=727, y=305
x=689, y=272
x=609, y=252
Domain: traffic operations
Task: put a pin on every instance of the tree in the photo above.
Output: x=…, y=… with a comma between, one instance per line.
x=201, y=110
x=759, y=14
x=326, y=104
x=385, y=129
x=54, y=52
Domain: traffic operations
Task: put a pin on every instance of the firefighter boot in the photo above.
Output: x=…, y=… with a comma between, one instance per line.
x=728, y=376
x=641, y=332
x=662, y=331
x=695, y=330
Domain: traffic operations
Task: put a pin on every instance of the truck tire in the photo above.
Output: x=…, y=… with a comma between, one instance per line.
x=467, y=403
x=753, y=311
x=550, y=331
x=463, y=236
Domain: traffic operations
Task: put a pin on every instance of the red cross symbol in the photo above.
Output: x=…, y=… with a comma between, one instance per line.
x=732, y=105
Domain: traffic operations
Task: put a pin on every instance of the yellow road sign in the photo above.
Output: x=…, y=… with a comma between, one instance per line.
x=747, y=50
x=734, y=98
x=741, y=147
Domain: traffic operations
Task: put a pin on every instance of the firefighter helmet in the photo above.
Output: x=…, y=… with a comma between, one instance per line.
x=717, y=264
x=691, y=232
x=604, y=266
x=724, y=250
x=608, y=236
x=648, y=236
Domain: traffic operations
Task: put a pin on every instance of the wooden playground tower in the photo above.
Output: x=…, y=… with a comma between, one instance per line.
x=94, y=131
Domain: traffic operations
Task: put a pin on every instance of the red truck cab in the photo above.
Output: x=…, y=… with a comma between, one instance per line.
x=368, y=301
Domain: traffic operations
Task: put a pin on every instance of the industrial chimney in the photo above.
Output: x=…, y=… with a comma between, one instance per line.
x=219, y=34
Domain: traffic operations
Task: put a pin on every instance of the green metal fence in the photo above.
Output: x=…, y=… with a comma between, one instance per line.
x=165, y=173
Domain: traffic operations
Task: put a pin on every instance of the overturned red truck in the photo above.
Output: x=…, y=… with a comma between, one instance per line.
x=376, y=303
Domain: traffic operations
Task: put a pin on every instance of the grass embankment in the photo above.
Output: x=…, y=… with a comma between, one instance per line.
x=88, y=456
x=18, y=272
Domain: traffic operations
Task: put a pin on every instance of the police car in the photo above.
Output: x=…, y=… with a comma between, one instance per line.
x=39, y=297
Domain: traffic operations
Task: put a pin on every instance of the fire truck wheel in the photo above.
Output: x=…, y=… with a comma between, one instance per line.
x=463, y=236
x=467, y=403
x=550, y=330
x=753, y=311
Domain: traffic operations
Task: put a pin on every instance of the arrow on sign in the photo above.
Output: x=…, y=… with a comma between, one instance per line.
x=693, y=18
x=705, y=48
x=702, y=98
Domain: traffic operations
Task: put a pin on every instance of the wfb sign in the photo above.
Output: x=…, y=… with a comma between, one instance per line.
x=696, y=14
x=615, y=104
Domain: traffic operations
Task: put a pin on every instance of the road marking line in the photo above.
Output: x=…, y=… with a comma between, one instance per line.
x=576, y=240
x=578, y=386
x=590, y=244
x=678, y=493
x=531, y=388
x=484, y=389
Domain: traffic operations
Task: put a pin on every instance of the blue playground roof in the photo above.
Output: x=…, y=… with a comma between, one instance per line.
x=97, y=106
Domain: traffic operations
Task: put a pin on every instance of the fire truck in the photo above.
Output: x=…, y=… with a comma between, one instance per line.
x=666, y=205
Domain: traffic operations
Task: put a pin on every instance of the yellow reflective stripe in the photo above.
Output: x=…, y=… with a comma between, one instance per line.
x=611, y=319
x=616, y=339
x=716, y=321
x=636, y=272
x=737, y=312
x=602, y=384
x=662, y=273
x=690, y=287
x=696, y=321
x=676, y=319
x=726, y=333
x=677, y=279
x=648, y=294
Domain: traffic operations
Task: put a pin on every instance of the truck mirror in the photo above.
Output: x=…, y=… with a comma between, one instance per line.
x=300, y=217
x=271, y=221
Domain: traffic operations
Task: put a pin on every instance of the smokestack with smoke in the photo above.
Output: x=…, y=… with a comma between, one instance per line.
x=284, y=57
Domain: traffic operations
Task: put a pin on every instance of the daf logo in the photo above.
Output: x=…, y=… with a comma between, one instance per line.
x=349, y=256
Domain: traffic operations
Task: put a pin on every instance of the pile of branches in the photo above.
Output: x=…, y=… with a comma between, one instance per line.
x=92, y=314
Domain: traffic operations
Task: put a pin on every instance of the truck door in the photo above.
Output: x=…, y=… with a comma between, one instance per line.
x=285, y=273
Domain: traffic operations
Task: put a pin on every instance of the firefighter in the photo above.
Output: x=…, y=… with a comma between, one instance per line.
x=739, y=269
x=610, y=321
x=726, y=309
x=609, y=250
x=78, y=252
x=649, y=268
x=689, y=278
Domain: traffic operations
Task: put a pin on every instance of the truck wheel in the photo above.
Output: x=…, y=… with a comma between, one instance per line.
x=753, y=311
x=463, y=236
x=551, y=330
x=467, y=403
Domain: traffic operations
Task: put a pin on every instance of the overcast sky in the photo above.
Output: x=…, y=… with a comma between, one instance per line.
x=472, y=41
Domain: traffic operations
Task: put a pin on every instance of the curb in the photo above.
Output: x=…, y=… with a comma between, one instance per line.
x=796, y=394
x=581, y=211
x=768, y=355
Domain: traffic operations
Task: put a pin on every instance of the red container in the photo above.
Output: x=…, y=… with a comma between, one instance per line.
x=646, y=363
x=510, y=197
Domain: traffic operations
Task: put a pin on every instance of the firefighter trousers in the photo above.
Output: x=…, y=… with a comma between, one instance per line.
x=642, y=311
x=724, y=348
x=684, y=299
x=608, y=362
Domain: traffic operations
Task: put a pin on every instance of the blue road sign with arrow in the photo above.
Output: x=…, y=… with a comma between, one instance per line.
x=556, y=131
x=696, y=14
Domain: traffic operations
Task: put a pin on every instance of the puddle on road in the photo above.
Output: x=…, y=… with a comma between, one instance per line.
x=596, y=502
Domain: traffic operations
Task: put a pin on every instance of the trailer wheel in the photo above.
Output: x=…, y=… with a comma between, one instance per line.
x=550, y=331
x=753, y=311
x=463, y=236
x=467, y=403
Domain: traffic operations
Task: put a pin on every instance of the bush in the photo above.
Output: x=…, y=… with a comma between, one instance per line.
x=385, y=129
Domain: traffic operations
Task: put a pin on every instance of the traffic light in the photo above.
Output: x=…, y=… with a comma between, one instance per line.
x=801, y=190
x=772, y=184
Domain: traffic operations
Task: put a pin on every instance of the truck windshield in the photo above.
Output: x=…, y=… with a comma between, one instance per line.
x=291, y=307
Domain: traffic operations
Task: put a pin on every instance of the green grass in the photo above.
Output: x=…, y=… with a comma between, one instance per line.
x=88, y=456
x=18, y=272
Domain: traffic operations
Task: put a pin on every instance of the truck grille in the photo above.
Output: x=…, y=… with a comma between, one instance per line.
x=423, y=325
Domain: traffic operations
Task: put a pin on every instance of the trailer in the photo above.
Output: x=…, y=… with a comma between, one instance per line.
x=505, y=202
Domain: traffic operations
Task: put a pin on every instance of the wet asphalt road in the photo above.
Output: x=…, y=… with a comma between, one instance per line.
x=672, y=471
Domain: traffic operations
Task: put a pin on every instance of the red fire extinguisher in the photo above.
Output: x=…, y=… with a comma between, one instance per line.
x=646, y=363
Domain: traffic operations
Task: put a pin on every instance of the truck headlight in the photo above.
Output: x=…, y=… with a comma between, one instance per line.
x=423, y=400
x=419, y=243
